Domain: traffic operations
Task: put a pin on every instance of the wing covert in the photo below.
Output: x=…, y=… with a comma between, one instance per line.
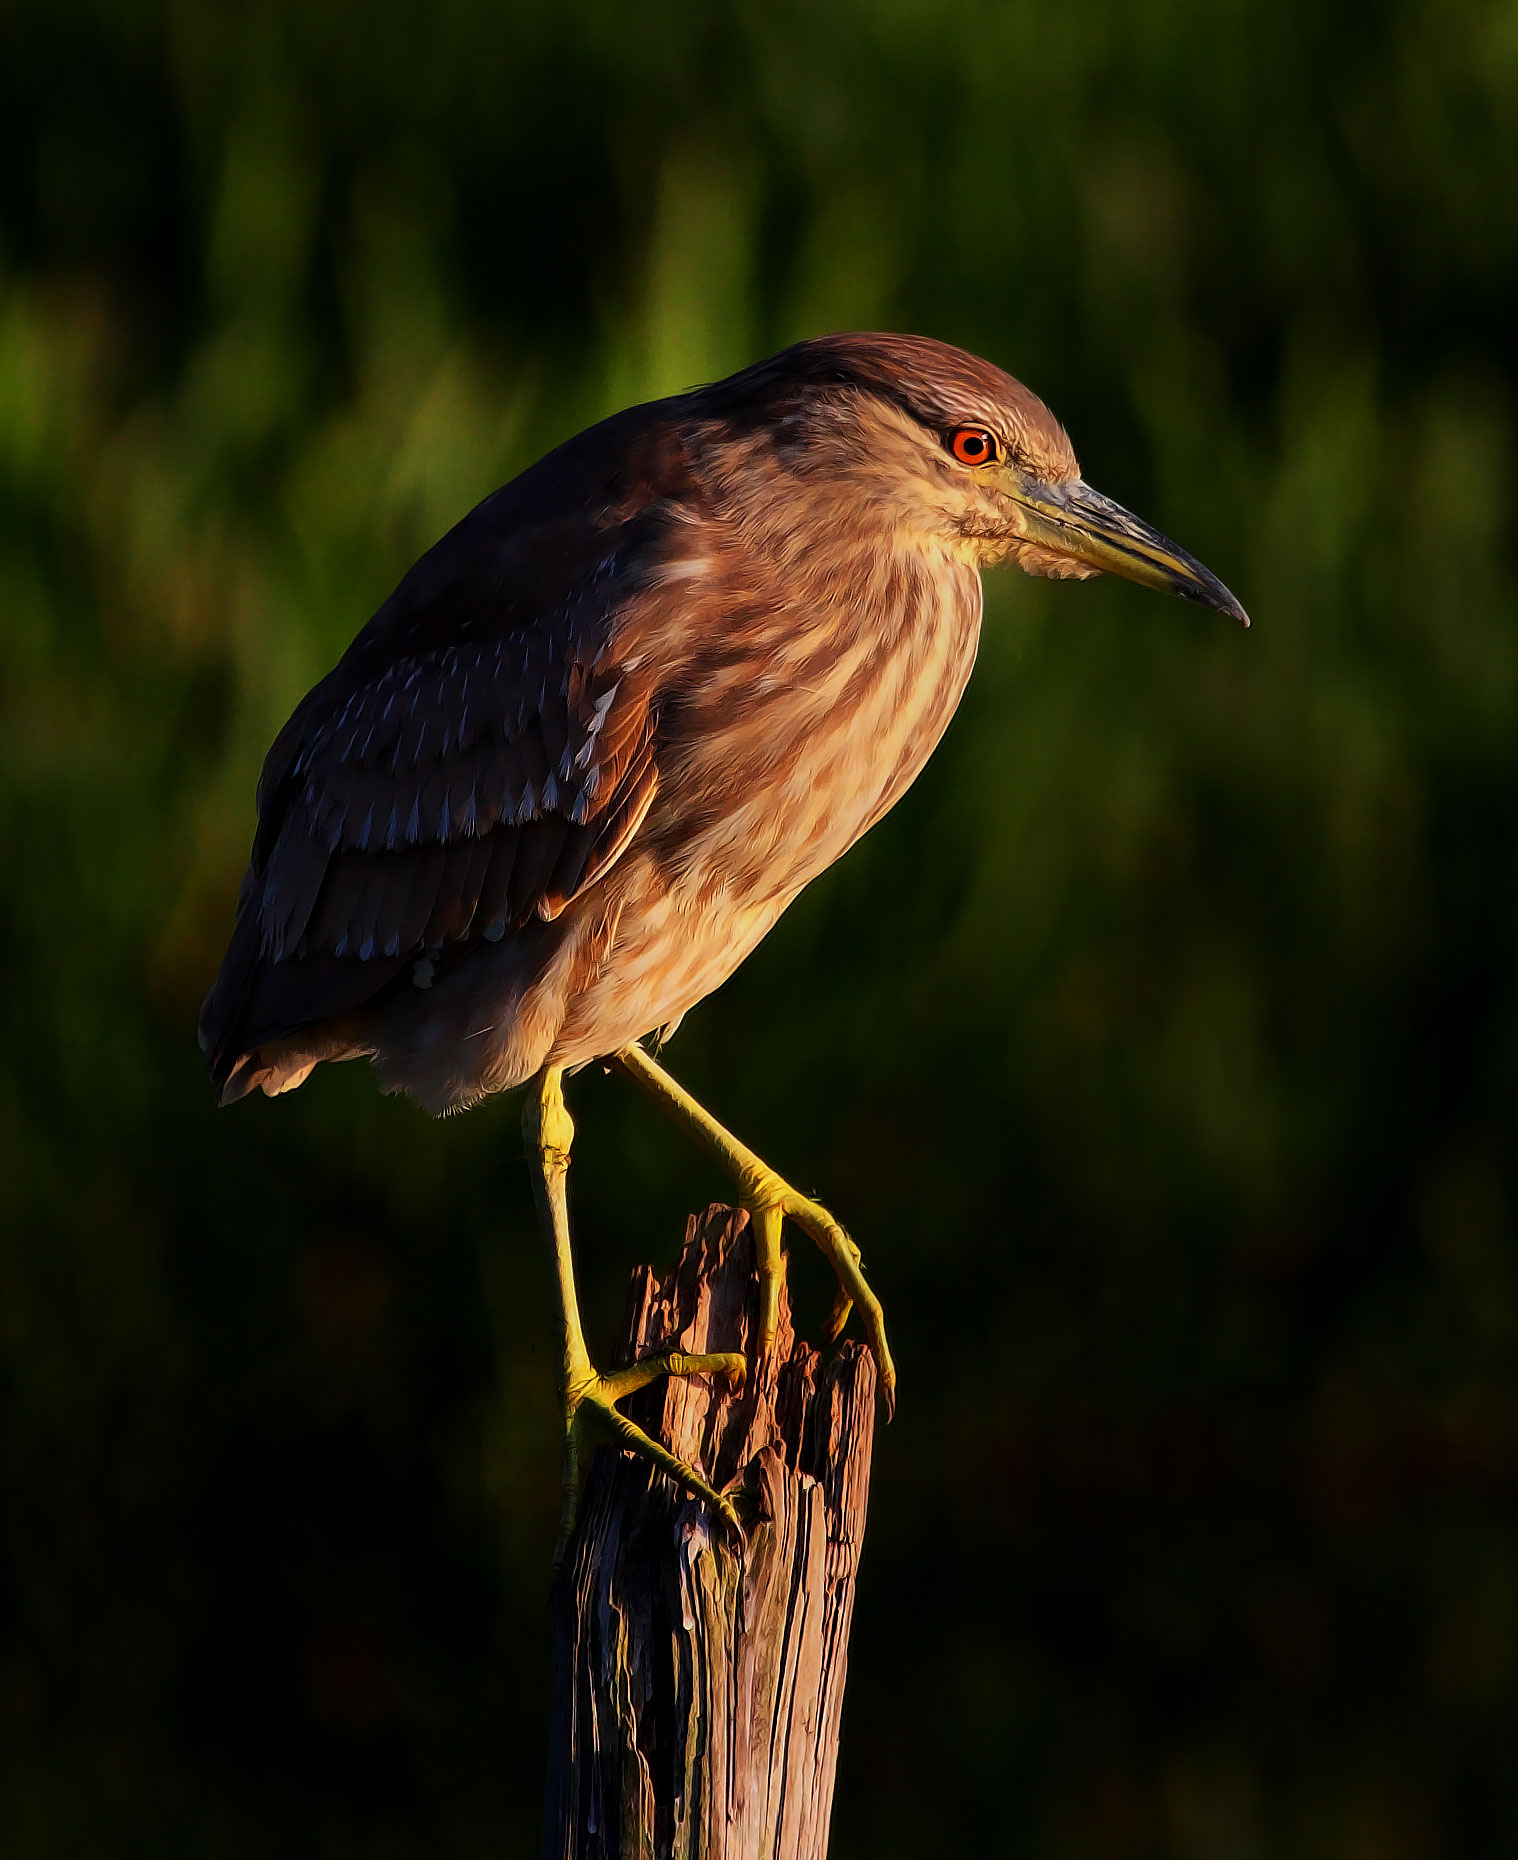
x=453, y=794
x=509, y=759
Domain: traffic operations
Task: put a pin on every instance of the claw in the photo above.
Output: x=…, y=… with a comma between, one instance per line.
x=590, y=1408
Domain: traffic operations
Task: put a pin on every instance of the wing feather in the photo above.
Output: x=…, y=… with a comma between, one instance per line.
x=414, y=906
x=540, y=843
x=450, y=797
x=493, y=912
x=458, y=893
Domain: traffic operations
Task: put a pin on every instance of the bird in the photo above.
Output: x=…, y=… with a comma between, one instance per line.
x=603, y=733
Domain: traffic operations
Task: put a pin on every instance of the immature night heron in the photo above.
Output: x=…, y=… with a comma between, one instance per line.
x=602, y=734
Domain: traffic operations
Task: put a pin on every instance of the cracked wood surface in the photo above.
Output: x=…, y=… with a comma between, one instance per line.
x=697, y=1687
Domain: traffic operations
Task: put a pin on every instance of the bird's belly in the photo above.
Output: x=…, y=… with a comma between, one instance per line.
x=669, y=952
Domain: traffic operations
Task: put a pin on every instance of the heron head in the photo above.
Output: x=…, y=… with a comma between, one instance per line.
x=955, y=446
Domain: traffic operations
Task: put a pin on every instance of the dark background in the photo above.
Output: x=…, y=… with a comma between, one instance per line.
x=1160, y=1048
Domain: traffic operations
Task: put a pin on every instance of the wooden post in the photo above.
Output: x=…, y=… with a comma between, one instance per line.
x=698, y=1684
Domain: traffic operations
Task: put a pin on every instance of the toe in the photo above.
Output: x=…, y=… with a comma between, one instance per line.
x=838, y=1317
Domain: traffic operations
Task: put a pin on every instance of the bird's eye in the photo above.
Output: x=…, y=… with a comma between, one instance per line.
x=973, y=445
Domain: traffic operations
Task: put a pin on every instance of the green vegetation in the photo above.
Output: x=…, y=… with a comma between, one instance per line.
x=1196, y=1533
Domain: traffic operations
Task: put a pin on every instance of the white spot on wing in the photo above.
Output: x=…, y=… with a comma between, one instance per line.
x=689, y=568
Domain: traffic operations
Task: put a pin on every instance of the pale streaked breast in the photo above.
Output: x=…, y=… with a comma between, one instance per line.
x=797, y=747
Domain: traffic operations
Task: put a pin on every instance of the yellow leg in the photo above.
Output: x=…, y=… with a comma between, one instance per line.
x=589, y=1399
x=769, y=1200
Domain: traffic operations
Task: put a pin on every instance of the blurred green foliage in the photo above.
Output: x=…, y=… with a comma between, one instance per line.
x=1160, y=1048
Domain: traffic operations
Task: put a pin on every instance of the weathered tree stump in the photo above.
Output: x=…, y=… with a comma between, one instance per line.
x=698, y=1683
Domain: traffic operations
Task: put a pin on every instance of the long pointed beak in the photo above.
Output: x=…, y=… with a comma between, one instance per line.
x=1073, y=520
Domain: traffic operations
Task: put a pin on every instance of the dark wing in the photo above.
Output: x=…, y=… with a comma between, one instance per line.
x=429, y=796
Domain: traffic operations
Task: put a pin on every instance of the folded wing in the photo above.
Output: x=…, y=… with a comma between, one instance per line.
x=431, y=795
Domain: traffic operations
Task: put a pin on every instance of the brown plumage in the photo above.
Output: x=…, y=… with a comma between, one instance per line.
x=604, y=732
x=607, y=728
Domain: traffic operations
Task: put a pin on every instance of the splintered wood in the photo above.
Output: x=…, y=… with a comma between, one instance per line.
x=698, y=1683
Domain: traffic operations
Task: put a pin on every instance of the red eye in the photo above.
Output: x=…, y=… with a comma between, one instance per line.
x=973, y=445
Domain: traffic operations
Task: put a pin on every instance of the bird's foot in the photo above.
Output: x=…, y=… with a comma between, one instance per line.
x=770, y=1201
x=592, y=1419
